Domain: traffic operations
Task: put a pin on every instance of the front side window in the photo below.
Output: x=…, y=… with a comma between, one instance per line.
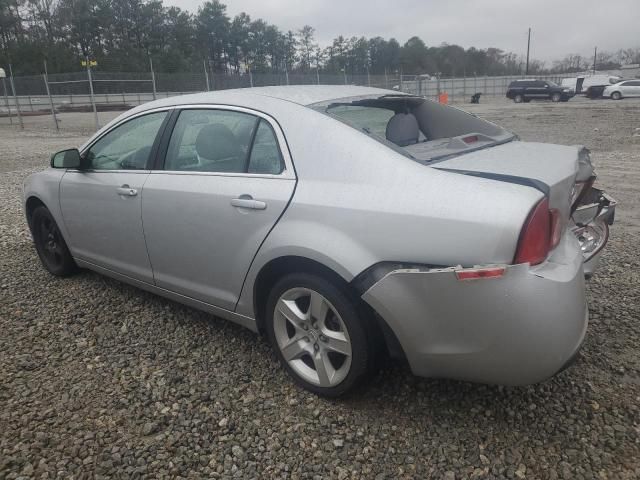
x=211, y=141
x=126, y=147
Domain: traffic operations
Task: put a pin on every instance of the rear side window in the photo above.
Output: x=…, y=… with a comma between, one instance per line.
x=211, y=141
x=223, y=141
x=265, y=155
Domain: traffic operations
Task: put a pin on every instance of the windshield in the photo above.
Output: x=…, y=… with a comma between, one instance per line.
x=552, y=84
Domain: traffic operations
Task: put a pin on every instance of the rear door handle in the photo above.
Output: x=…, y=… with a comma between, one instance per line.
x=247, y=201
x=127, y=191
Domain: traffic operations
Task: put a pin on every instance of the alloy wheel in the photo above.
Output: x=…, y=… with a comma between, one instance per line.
x=312, y=337
x=50, y=243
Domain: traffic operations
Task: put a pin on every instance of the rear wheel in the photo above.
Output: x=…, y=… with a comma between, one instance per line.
x=50, y=245
x=616, y=95
x=318, y=334
x=556, y=97
x=518, y=98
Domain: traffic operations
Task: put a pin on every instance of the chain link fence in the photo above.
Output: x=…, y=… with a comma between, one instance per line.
x=95, y=91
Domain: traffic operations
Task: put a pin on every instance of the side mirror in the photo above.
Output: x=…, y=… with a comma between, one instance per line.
x=66, y=159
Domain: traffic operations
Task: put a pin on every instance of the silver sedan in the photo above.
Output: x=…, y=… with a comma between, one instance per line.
x=624, y=89
x=344, y=223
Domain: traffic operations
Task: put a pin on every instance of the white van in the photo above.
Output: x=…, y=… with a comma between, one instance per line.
x=582, y=84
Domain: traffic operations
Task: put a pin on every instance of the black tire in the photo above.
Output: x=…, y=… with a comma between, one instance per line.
x=616, y=96
x=51, y=247
x=518, y=98
x=556, y=97
x=353, y=315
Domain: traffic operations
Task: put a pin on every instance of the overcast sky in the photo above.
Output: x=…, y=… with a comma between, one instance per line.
x=559, y=27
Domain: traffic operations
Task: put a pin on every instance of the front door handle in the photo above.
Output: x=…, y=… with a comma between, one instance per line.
x=127, y=191
x=247, y=201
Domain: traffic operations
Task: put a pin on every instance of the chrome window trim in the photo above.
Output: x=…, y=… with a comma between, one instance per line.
x=102, y=170
x=287, y=173
x=279, y=176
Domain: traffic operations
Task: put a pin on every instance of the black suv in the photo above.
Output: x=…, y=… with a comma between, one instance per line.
x=526, y=90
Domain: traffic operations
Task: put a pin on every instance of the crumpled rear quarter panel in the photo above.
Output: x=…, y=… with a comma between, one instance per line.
x=514, y=330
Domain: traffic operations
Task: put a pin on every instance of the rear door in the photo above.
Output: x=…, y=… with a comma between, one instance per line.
x=225, y=180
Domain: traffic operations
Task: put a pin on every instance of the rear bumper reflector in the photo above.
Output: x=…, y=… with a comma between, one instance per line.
x=478, y=273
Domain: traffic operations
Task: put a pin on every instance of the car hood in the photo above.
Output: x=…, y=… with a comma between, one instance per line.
x=550, y=168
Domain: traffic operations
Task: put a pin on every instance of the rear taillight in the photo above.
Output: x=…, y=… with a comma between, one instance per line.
x=540, y=233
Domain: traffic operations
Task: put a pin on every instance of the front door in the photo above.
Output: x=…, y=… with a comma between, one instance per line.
x=101, y=202
x=224, y=184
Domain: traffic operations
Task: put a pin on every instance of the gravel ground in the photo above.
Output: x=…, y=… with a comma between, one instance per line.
x=99, y=379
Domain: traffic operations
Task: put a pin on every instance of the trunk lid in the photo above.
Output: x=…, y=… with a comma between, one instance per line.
x=552, y=168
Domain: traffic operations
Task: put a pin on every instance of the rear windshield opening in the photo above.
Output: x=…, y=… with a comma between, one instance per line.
x=421, y=129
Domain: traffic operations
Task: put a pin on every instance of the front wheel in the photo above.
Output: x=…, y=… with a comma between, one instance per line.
x=556, y=97
x=50, y=245
x=318, y=333
x=518, y=98
x=616, y=95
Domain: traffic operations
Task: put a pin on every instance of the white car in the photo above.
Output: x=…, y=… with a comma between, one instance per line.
x=626, y=88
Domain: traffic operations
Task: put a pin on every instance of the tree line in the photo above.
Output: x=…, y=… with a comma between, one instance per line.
x=125, y=35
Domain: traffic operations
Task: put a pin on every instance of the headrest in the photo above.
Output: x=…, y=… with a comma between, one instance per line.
x=216, y=141
x=403, y=129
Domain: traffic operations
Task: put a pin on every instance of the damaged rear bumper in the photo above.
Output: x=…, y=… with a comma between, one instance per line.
x=518, y=329
x=591, y=226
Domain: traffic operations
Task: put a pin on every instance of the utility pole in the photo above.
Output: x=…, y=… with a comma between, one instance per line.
x=206, y=74
x=153, y=76
x=526, y=70
x=15, y=98
x=91, y=93
x=595, y=58
x=45, y=76
x=4, y=90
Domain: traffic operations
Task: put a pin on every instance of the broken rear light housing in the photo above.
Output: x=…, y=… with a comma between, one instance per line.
x=580, y=189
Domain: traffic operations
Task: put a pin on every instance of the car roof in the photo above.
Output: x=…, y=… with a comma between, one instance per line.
x=299, y=94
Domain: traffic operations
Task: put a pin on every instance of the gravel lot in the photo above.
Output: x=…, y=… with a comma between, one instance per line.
x=99, y=379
